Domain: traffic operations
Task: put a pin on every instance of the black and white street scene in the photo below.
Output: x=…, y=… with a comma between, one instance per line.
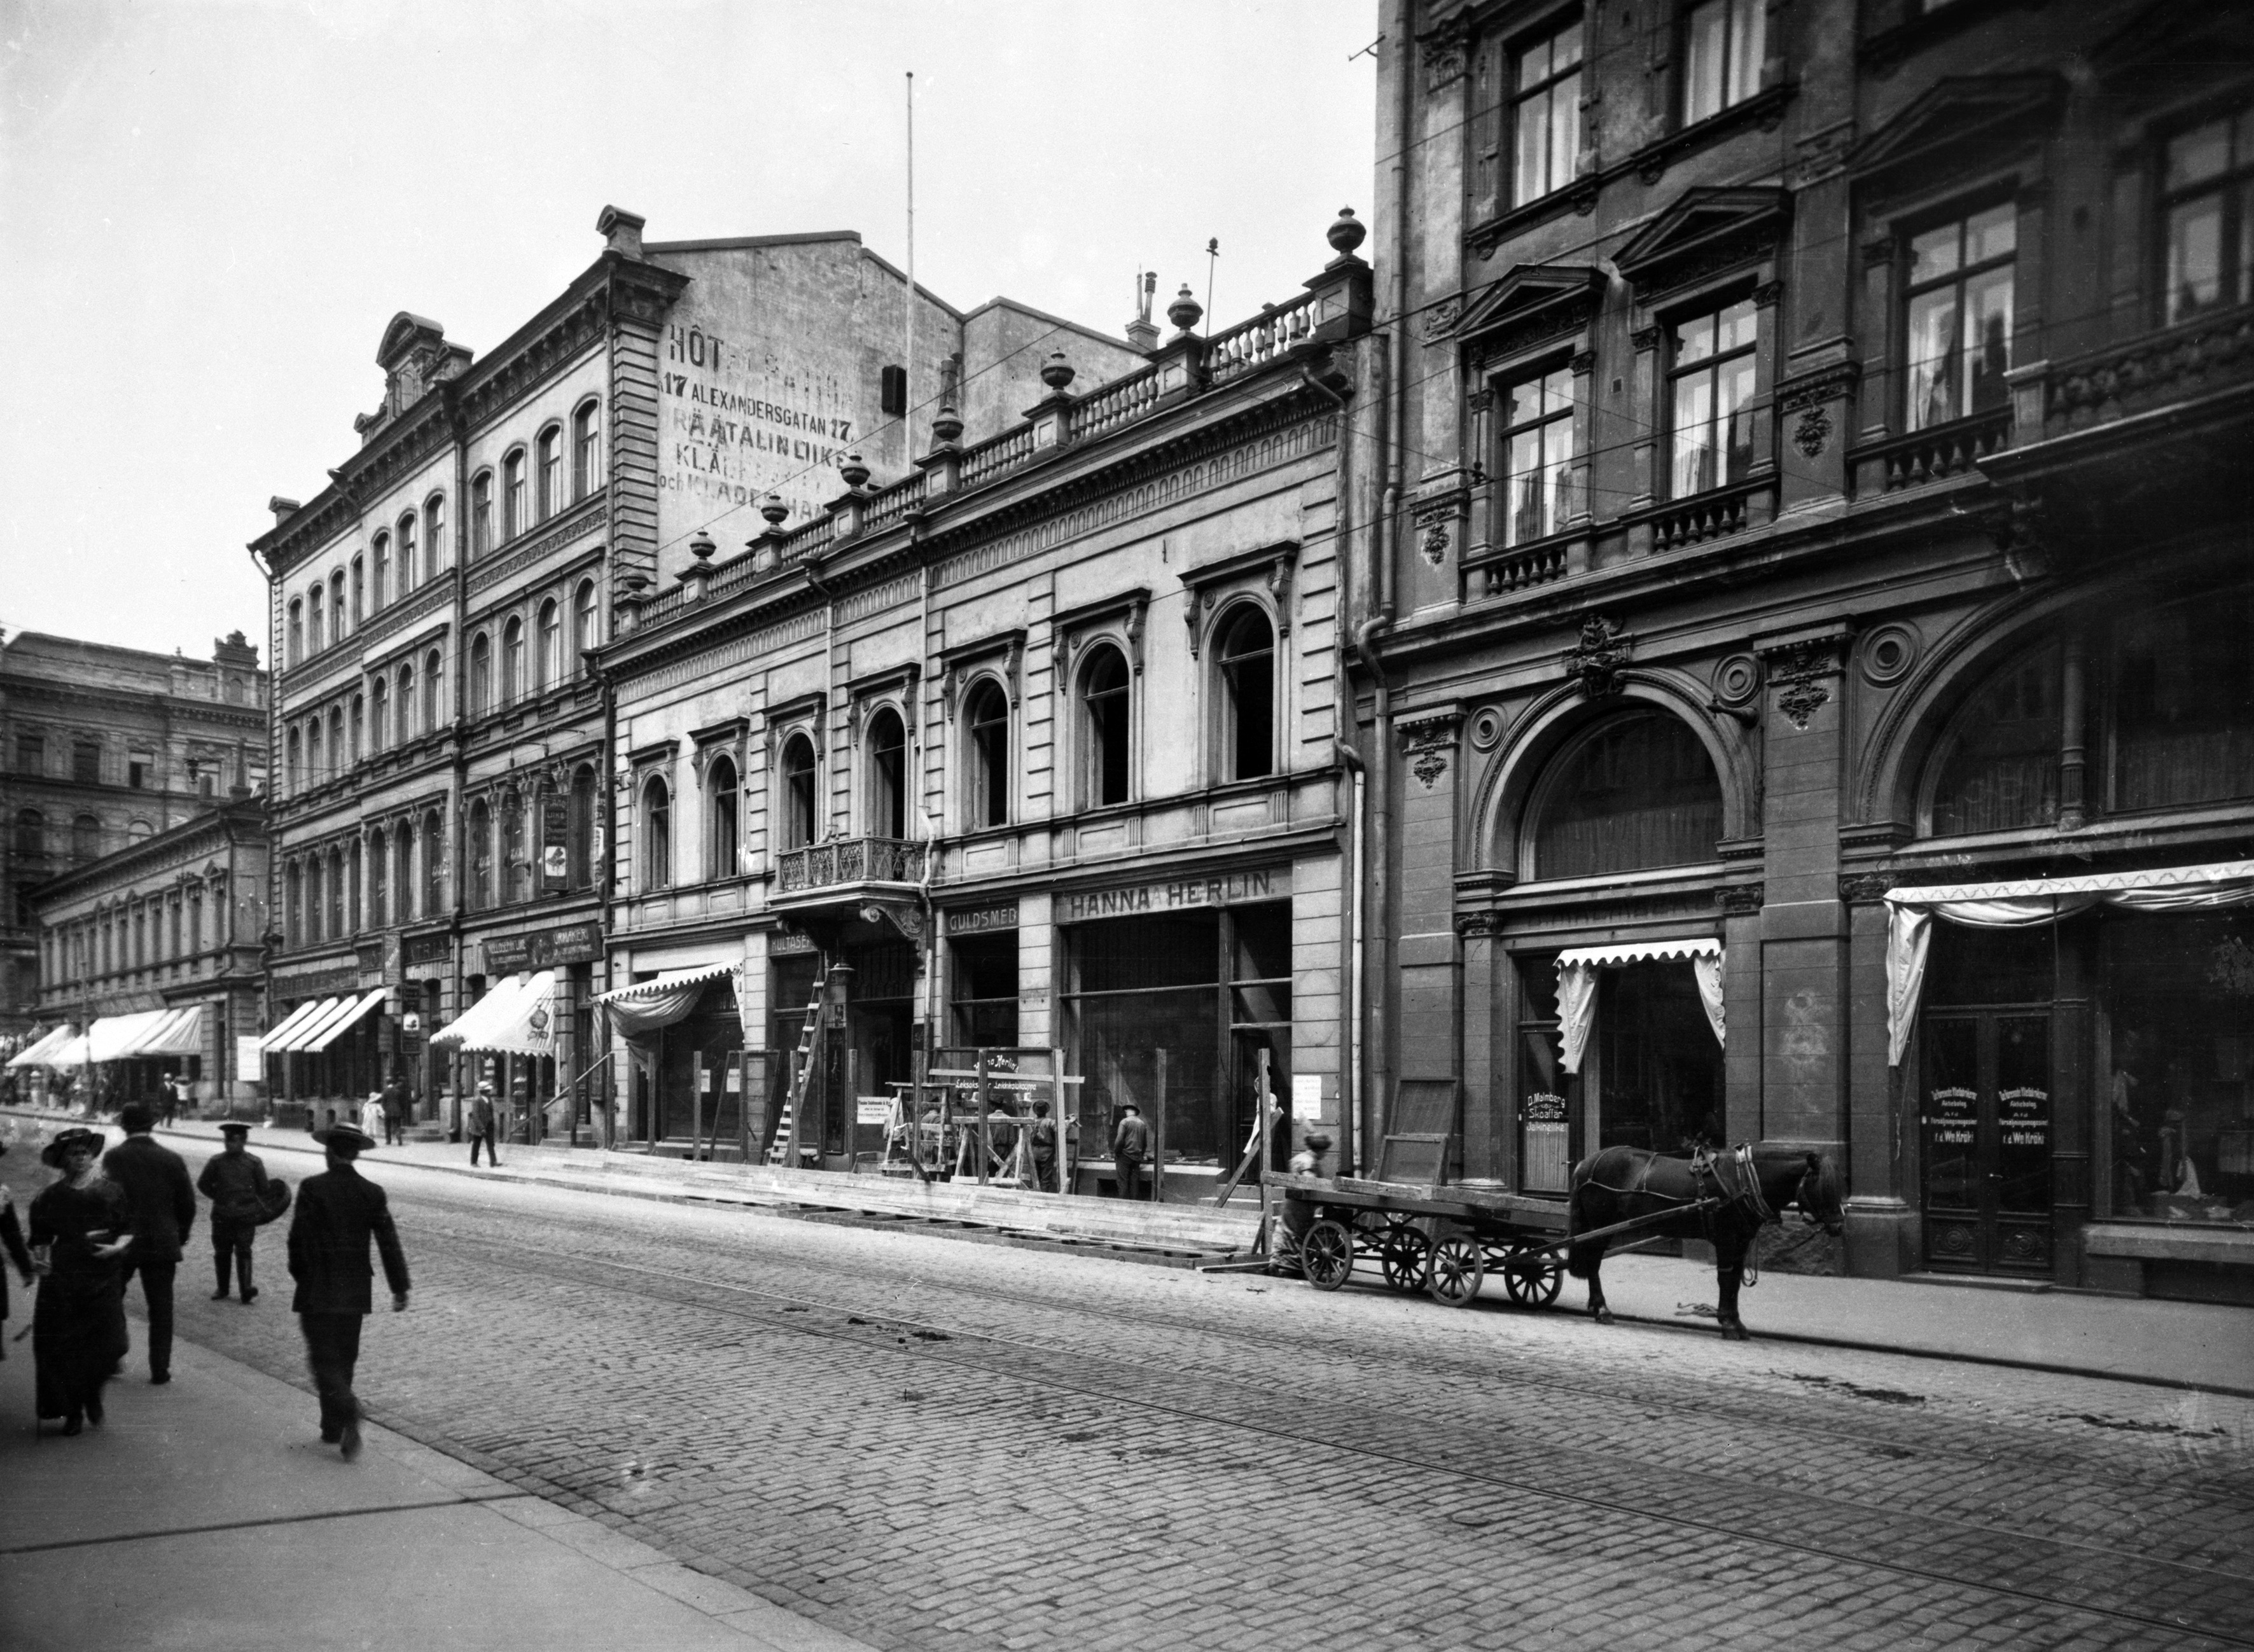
x=1010, y=826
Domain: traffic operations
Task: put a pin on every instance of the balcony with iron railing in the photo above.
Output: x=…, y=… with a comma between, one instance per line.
x=826, y=870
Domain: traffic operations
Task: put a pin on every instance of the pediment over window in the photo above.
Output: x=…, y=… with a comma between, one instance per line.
x=1531, y=302
x=1706, y=230
x=1986, y=109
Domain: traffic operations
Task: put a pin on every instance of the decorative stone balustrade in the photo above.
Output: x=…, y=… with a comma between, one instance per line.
x=2175, y=364
x=1252, y=344
x=1931, y=455
x=1119, y=402
x=851, y=860
x=989, y=459
x=1711, y=515
x=1520, y=568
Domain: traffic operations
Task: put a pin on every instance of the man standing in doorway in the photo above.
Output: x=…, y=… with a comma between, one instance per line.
x=163, y=1202
x=338, y=1211
x=1130, y=1145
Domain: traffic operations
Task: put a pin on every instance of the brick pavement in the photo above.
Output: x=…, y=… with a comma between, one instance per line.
x=1100, y=1455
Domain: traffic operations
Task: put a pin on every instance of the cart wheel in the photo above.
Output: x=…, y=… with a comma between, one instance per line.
x=1326, y=1255
x=1406, y=1257
x=1532, y=1283
x=1457, y=1269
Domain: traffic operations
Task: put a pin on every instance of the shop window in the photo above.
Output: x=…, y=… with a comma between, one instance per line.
x=798, y=811
x=985, y=997
x=516, y=858
x=657, y=834
x=1957, y=317
x=1710, y=385
x=551, y=644
x=480, y=849
x=888, y=775
x=380, y=584
x=481, y=675
x=1538, y=456
x=512, y=662
x=2183, y=705
x=986, y=714
x=30, y=833
x=586, y=449
x=1998, y=765
x=378, y=694
x=1635, y=792
x=481, y=513
x=724, y=804
x=513, y=502
x=1245, y=655
x=2207, y=179
x=1722, y=46
x=1545, y=119
x=1106, y=699
x=550, y=447
x=584, y=635
x=580, y=846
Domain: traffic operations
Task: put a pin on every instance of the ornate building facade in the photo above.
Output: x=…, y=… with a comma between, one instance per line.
x=1810, y=655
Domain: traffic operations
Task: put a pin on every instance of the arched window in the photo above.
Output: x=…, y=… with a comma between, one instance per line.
x=888, y=775
x=481, y=513
x=513, y=519
x=480, y=855
x=1997, y=765
x=30, y=833
x=657, y=834
x=297, y=641
x=579, y=846
x=334, y=922
x=481, y=675
x=403, y=848
x=410, y=568
x=986, y=714
x=139, y=831
x=406, y=712
x=337, y=604
x=316, y=770
x=551, y=643
x=434, y=864
x=550, y=446
x=1246, y=657
x=293, y=883
x=380, y=588
x=378, y=694
x=1103, y=694
x=586, y=450
x=352, y=888
x=336, y=739
x=797, y=791
x=512, y=662
x=583, y=624
x=359, y=592
x=313, y=644
x=1636, y=791
x=358, y=727
x=434, y=533
x=515, y=862
x=434, y=690
x=723, y=804
x=379, y=879
x=292, y=763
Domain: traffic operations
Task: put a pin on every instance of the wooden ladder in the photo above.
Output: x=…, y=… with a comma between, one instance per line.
x=782, y=1150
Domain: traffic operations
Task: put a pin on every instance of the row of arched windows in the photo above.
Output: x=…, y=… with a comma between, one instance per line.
x=533, y=659
x=531, y=484
x=85, y=836
x=332, y=894
x=395, y=707
x=156, y=929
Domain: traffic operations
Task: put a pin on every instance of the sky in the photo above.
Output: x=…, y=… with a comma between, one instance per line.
x=210, y=208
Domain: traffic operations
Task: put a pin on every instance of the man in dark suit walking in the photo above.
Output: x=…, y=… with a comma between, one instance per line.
x=163, y=1202
x=338, y=1211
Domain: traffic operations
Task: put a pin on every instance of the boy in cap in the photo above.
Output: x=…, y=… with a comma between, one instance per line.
x=338, y=1211
x=236, y=1183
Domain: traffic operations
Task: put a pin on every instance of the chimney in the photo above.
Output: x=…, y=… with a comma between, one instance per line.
x=283, y=509
x=1142, y=332
x=621, y=231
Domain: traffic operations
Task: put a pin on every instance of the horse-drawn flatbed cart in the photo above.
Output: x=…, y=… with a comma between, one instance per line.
x=1443, y=1241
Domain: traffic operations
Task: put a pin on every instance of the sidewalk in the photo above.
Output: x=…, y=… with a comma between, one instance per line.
x=206, y=1515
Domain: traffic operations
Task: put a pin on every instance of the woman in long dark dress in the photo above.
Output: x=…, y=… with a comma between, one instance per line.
x=78, y=1329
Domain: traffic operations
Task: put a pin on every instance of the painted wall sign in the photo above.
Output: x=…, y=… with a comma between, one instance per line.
x=741, y=417
x=1178, y=894
x=975, y=919
x=543, y=949
x=315, y=982
x=555, y=838
x=425, y=949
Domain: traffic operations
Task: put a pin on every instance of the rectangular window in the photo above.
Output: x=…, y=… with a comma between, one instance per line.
x=2208, y=185
x=30, y=755
x=892, y=391
x=1711, y=383
x=85, y=763
x=1537, y=453
x=1545, y=116
x=1722, y=44
x=1957, y=326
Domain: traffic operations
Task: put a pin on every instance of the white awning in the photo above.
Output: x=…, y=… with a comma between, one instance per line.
x=1638, y=952
x=2104, y=883
x=277, y=1036
x=117, y=1037
x=327, y=1010
x=70, y=1054
x=181, y=1032
x=665, y=982
x=331, y=1030
x=42, y=1053
x=514, y=1018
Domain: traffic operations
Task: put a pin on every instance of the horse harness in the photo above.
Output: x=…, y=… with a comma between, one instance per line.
x=1728, y=1166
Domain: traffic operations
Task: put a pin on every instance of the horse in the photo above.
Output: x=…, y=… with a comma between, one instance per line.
x=1756, y=1182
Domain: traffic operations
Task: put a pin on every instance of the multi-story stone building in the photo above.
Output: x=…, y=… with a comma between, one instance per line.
x=1809, y=664
x=445, y=801
x=101, y=747
x=1035, y=748
x=156, y=950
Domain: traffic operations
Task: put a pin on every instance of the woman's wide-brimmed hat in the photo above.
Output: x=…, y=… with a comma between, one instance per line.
x=92, y=1140
x=344, y=1138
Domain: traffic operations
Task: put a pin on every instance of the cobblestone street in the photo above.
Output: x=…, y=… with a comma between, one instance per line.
x=930, y=1443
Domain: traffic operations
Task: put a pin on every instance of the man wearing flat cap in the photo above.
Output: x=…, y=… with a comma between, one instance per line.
x=163, y=1201
x=236, y=1183
x=338, y=1211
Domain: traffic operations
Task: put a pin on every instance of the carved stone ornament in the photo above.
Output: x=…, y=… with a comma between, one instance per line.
x=1863, y=888
x=1809, y=434
x=1739, y=900
x=1428, y=742
x=1440, y=317
x=1798, y=672
x=1645, y=339
x=2019, y=527
x=1479, y=401
x=1481, y=922
x=1596, y=661
x=1434, y=543
x=1446, y=53
x=1434, y=519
